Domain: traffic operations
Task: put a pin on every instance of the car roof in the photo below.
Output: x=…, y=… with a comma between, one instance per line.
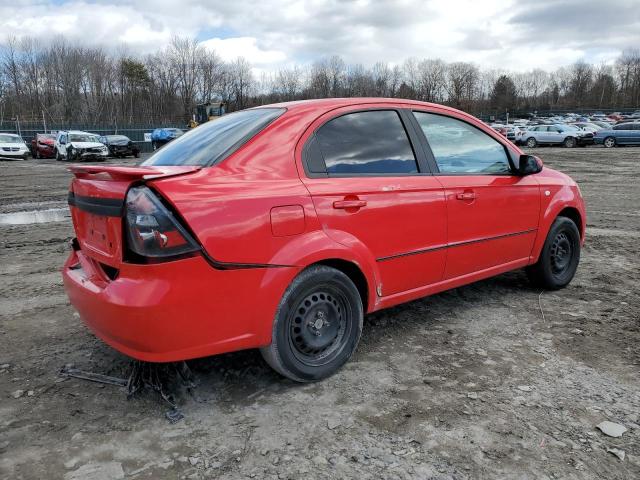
x=10, y=134
x=331, y=103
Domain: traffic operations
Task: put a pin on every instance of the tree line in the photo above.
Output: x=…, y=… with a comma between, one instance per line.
x=62, y=82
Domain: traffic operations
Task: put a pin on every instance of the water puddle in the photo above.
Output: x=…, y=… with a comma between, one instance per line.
x=35, y=216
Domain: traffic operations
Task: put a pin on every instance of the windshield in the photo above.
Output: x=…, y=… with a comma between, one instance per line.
x=214, y=140
x=83, y=137
x=117, y=138
x=10, y=139
x=44, y=136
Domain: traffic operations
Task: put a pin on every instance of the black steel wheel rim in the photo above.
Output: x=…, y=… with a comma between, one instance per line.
x=318, y=326
x=561, y=253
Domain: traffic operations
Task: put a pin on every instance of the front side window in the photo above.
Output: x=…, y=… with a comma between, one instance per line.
x=460, y=148
x=213, y=141
x=365, y=143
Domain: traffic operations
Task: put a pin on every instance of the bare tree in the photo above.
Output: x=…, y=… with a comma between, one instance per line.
x=70, y=83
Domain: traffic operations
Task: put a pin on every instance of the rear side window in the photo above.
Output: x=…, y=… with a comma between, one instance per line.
x=460, y=148
x=366, y=143
x=213, y=141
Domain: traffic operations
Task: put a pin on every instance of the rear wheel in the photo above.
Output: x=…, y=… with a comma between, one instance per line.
x=569, y=142
x=317, y=326
x=609, y=142
x=532, y=142
x=559, y=258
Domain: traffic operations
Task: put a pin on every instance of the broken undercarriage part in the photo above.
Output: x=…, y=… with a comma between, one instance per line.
x=158, y=377
x=92, y=377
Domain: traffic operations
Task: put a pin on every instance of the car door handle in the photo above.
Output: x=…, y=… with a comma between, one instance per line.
x=349, y=204
x=466, y=196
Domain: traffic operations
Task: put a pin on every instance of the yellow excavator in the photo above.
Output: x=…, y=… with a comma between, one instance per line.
x=206, y=112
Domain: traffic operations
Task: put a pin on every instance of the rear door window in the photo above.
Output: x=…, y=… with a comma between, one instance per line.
x=460, y=148
x=365, y=143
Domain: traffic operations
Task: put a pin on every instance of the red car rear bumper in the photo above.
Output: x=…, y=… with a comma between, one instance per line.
x=176, y=310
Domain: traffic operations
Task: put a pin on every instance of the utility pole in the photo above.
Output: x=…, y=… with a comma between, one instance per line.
x=44, y=122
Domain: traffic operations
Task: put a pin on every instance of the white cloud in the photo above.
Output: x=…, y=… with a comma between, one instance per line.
x=501, y=34
x=247, y=47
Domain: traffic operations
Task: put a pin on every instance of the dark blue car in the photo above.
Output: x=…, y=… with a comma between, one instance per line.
x=622, y=134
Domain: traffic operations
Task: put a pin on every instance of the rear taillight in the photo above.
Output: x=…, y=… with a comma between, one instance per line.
x=152, y=231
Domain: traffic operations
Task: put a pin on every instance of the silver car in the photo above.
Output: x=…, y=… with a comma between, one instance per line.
x=558, y=134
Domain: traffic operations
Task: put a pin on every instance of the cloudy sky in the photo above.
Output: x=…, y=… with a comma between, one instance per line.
x=504, y=34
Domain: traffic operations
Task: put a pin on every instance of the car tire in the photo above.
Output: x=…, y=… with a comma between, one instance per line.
x=58, y=156
x=569, y=142
x=136, y=154
x=317, y=326
x=609, y=142
x=154, y=146
x=531, y=142
x=559, y=258
x=37, y=155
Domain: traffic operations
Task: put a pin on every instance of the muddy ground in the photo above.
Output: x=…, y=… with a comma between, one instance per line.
x=472, y=383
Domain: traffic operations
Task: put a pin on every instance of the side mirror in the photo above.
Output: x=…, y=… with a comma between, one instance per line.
x=528, y=164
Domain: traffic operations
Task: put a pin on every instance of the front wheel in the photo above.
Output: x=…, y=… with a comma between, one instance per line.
x=569, y=142
x=609, y=142
x=532, y=142
x=559, y=258
x=317, y=326
x=58, y=156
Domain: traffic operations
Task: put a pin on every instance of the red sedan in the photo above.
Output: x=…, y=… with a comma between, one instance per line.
x=279, y=227
x=42, y=145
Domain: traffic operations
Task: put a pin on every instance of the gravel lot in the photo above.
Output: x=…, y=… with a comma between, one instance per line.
x=472, y=383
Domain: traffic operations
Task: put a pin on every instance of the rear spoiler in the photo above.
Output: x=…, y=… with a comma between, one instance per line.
x=112, y=172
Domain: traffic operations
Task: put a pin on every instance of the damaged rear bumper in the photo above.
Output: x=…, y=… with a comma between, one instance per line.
x=175, y=310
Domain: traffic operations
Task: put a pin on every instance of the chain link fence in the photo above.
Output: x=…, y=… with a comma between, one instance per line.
x=139, y=134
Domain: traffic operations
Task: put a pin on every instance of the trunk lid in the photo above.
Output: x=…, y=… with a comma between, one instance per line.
x=96, y=200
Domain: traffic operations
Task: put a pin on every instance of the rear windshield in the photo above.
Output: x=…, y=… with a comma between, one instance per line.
x=214, y=140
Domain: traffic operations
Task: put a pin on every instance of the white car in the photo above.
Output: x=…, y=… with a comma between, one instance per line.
x=13, y=146
x=75, y=145
x=558, y=134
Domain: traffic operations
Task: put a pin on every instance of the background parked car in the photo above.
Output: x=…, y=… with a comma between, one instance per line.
x=42, y=145
x=587, y=127
x=565, y=135
x=75, y=145
x=120, y=146
x=162, y=136
x=622, y=134
x=13, y=146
